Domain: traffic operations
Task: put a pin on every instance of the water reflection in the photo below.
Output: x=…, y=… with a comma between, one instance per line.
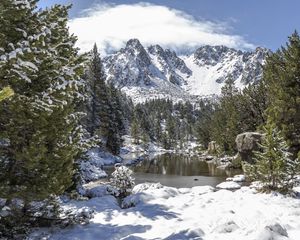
x=181, y=165
x=177, y=170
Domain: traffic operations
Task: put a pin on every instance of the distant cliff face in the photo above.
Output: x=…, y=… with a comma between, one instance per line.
x=153, y=72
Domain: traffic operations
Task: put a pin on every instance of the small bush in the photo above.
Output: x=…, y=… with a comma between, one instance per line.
x=123, y=181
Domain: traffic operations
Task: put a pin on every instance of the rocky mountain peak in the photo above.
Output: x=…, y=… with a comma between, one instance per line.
x=157, y=72
x=156, y=49
x=134, y=43
x=211, y=55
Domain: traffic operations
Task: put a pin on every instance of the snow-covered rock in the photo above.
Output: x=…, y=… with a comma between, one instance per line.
x=229, y=185
x=273, y=232
x=90, y=172
x=237, y=178
x=146, y=186
x=91, y=168
x=296, y=190
x=99, y=158
x=98, y=191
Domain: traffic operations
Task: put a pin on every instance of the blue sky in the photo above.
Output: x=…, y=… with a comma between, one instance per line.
x=259, y=22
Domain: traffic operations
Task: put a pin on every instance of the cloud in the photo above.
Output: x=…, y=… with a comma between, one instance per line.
x=111, y=26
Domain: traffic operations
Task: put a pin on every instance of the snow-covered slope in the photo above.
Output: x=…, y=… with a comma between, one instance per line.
x=153, y=72
x=201, y=212
x=211, y=66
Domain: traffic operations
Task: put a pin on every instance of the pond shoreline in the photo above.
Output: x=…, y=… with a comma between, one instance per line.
x=174, y=170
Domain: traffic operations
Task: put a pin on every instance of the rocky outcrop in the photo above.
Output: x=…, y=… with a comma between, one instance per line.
x=247, y=143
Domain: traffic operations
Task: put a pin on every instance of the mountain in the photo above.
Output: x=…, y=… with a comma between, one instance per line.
x=154, y=72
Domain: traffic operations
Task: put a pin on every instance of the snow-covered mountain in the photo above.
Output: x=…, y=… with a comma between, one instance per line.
x=154, y=72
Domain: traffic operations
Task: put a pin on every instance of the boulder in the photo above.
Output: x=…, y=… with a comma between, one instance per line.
x=246, y=143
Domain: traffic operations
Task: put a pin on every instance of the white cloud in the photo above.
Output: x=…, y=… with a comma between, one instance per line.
x=111, y=26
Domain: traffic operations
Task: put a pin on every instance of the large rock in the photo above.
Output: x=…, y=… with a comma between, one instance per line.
x=246, y=143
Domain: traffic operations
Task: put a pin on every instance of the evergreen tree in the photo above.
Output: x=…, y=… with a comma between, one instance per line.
x=204, y=122
x=281, y=74
x=157, y=127
x=40, y=123
x=274, y=167
x=135, y=131
x=102, y=110
x=118, y=108
x=252, y=106
x=171, y=131
x=95, y=79
x=226, y=124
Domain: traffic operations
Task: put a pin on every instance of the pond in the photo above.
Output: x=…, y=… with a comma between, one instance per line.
x=179, y=171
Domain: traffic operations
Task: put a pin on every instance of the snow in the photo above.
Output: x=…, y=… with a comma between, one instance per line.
x=161, y=212
x=229, y=185
x=155, y=73
x=202, y=81
x=91, y=169
x=90, y=172
x=132, y=153
x=100, y=158
x=237, y=178
x=98, y=191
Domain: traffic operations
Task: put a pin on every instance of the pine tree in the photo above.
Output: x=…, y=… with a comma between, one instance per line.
x=104, y=114
x=171, y=131
x=40, y=123
x=225, y=121
x=135, y=131
x=281, y=74
x=116, y=105
x=204, y=122
x=96, y=89
x=252, y=106
x=157, y=127
x=274, y=167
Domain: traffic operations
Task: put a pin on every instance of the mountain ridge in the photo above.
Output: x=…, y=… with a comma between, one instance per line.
x=153, y=72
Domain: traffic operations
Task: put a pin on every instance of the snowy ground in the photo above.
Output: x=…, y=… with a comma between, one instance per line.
x=92, y=168
x=130, y=150
x=191, y=213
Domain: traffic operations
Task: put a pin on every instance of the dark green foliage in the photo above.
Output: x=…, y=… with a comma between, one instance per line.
x=106, y=107
x=226, y=124
x=281, y=74
x=39, y=124
x=164, y=122
x=235, y=112
x=95, y=92
x=135, y=130
x=204, y=124
x=253, y=104
x=274, y=167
